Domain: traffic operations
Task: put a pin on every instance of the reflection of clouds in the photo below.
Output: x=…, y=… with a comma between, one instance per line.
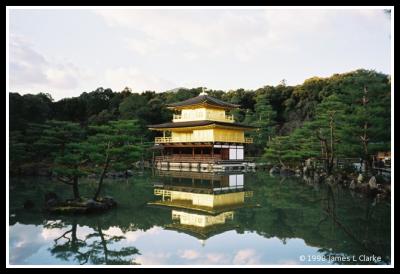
x=24, y=242
x=246, y=256
x=216, y=258
x=132, y=236
x=195, y=257
x=189, y=254
x=287, y=262
x=151, y=258
x=53, y=233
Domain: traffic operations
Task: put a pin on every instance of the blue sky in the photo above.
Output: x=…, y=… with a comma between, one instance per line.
x=67, y=52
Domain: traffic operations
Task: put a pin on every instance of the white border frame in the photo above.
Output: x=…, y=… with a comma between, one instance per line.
x=8, y=8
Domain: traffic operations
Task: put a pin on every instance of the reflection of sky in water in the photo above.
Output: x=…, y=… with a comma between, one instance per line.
x=30, y=244
x=268, y=207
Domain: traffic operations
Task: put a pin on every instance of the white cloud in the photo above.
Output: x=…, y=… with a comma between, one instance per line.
x=32, y=71
x=142, y=46
x=240, y=34
x=122, y=77
x=221, y=49
x=212, y=33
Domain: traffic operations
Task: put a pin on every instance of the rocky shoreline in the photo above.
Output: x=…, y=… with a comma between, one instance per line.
x=53, y=204
x=370, y=185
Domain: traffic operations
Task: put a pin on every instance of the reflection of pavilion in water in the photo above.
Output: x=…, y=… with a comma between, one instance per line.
x=202, y=204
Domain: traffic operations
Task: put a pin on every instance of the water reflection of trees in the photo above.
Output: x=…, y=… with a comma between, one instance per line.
x=329, y=218
x=289, y=209
x=369, y=247
x=94, y=248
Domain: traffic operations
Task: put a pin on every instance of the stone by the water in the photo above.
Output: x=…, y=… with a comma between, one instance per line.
x=353, y=185
x=360, y=178
x=274, y=170
x=82, y=206
x=372, y=183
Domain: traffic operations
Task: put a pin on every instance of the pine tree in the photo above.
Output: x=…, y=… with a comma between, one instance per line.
x=61, y=142
x=113, y=146
x=264, y=119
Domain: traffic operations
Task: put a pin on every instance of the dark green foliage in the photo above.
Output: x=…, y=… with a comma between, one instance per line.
x=342, y=100
x=113, y=146
x=295, y=111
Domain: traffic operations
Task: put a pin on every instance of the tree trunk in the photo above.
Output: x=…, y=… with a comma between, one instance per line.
x=103, y=174
x=103, y=243
x=75, y=188
x=99, y=186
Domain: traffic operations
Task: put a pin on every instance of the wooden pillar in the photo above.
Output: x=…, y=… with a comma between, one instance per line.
x=212, y=151
x=193, y=152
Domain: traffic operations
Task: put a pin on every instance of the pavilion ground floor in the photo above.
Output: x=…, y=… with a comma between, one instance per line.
x=202, y=157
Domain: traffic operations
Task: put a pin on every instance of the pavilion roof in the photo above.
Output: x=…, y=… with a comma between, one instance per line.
x=198, y=124
x=203, y=99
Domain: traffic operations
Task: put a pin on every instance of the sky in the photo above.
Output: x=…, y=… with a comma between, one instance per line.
x=67, y=52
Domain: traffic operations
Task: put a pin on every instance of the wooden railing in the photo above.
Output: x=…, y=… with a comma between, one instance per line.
x=229, y=117
x=159, y=140
x=226, y=117
x=176, y=117
x=187, y=158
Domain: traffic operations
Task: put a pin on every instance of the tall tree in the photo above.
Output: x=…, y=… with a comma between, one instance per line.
x=114, y=146
x=264, y=116
x=61, y=143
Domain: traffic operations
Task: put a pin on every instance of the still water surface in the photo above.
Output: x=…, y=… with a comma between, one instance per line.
x=174, y=218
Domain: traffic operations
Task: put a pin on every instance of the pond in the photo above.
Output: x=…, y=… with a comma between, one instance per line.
x=189, y=218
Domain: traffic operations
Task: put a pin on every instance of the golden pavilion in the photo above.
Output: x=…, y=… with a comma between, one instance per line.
x=202, y=136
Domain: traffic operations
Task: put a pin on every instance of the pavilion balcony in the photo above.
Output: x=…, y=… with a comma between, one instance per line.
x=188, y=158
x=162, y=140
x=228, y=139
x=208, y=116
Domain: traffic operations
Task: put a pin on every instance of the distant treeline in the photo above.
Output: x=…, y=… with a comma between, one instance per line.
x=293, y=121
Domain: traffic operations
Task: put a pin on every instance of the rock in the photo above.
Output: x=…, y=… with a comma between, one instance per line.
x=286, y=172
x=94, y=206
x=274, y=170
x=353, y=185
x=360, y=178
x=372, y=183
x=29, y=204
x=129, y=172
x=330, y=180
x=109, y=201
